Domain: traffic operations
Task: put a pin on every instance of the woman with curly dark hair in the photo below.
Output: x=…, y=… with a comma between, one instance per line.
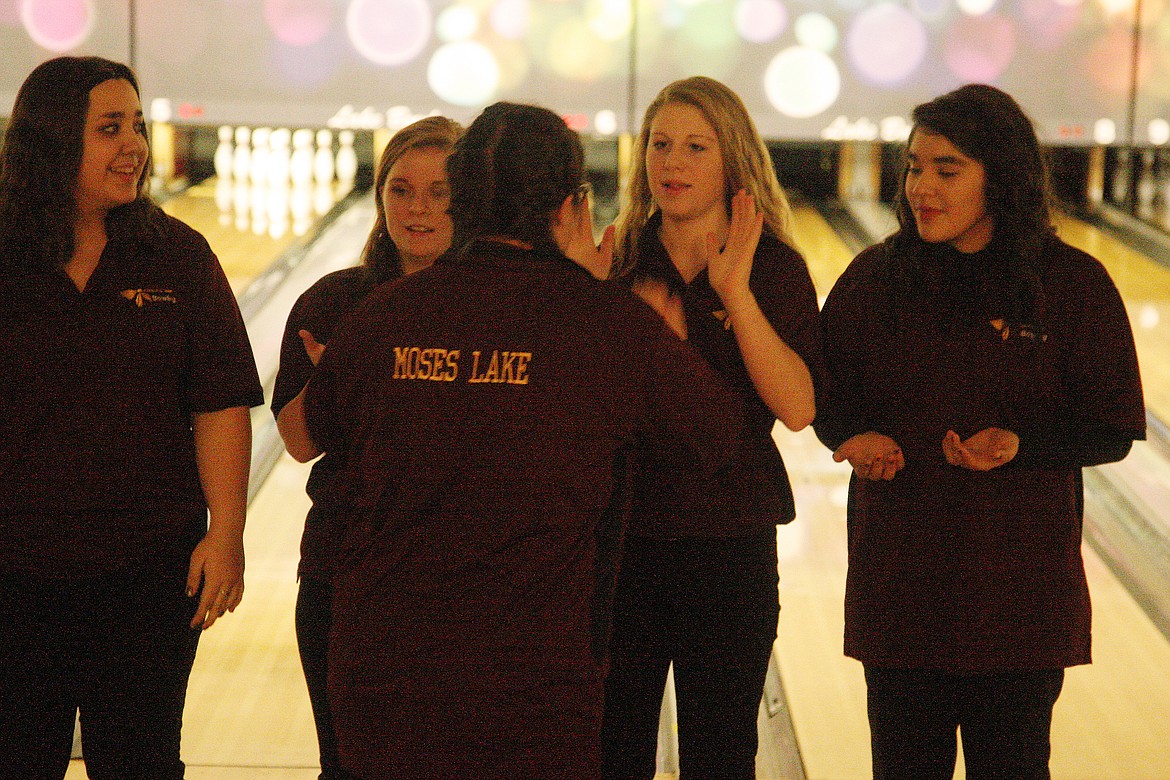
x=977, y=363
x=411, y=231
x=484, y=405
x=125, y=382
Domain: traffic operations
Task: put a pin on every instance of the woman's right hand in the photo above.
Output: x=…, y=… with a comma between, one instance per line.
x=872, y=455
x=313, y=348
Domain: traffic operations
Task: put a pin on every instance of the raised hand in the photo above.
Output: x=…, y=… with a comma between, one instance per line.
x=573, y=232
x=730, y=268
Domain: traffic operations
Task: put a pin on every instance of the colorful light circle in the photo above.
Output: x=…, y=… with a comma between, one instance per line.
x=930, y=9
x=388, y=32
x=1159, y=132
x=576, y=53
x=605, y=122
x=58, y=25
x=980, y=48
x=1104, y=131
x=509, y=18
x=464, y=73
x=760, y=21
x=801, y=82
x=610, y=20
x=298, y=22
x=817, y=31
x=886, y=44
x=975, y=7
x=456, y=23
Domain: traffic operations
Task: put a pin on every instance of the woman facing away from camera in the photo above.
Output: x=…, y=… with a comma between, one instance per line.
x=125, y=382
x=977, y=363
x=411, y=231
x=482, y=412
x=705, y=226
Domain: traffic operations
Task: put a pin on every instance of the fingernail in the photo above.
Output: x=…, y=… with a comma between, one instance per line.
x=190, y=592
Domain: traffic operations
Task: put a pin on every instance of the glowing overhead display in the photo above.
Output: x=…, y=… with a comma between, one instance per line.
x=806, y=69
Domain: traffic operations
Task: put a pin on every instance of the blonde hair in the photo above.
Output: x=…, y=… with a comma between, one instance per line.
x=747, y=165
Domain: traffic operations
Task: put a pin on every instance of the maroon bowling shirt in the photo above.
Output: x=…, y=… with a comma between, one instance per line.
x=318, y=311
x=952, y=569
x=754, y=494
x=97, y=388
x=482, y=405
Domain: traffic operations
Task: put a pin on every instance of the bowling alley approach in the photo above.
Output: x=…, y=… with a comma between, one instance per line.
x=302, y=448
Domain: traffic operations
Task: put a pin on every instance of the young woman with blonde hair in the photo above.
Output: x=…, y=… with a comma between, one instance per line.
x=704, y=232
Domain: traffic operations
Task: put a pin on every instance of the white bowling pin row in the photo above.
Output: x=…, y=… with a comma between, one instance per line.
x=281, y=156
x=265, y=209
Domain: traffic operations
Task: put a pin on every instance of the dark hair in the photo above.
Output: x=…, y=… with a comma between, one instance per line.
x=380, y=255
x=510, y=171
x=988, y=125
x=41, y=159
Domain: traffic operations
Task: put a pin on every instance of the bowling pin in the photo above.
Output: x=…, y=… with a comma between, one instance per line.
x=259, y=170
x=347, y=162
x=242, y=154
x=323, y=165
x=301, y=164
x=223, y=154
x=279, y=157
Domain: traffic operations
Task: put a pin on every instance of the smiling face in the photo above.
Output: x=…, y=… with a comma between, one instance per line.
x=416, y=197
x=115, y=150
x=946, y=191
x=684, y=165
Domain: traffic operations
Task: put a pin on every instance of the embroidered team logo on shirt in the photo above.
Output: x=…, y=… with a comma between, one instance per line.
x=143, y=298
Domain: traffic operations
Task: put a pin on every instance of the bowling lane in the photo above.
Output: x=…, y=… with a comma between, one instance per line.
x=823, y=249
x=1145, y=286
x=250, y=225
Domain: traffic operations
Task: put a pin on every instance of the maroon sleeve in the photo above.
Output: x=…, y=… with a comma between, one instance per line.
x=784, y=290
x=318, y=311
x=1105, y=409
x=223, y=370
x=847, y=326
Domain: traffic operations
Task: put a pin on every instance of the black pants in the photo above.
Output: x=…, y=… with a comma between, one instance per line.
x=1005, y=721
x=711, y=607
x=314, y=620
x=119, y=648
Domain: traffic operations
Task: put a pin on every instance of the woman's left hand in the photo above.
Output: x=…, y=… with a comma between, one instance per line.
x=573, y=232
x=218, y=565
x=986, y=450
x=730, y=268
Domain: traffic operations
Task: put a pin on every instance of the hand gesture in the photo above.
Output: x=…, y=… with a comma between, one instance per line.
x=872, y=455
x=573, y=233
x=668, y=305
x=217, y=575
x=313, y=348
x=730, y=268
x=988, y=449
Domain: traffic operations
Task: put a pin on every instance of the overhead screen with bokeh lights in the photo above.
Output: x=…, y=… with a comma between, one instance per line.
x=807, y=69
